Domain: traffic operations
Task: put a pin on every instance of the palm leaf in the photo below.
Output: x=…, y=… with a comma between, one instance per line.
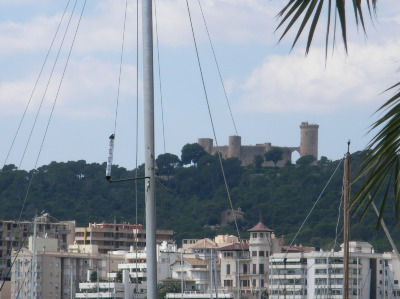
x=382, y=161
x=295, y=9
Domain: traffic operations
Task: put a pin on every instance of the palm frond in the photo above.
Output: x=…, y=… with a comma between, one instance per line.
x=295, y=9
x=381, y=164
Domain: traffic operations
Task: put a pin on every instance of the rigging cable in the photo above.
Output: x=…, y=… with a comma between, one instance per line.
x=219, y=71
x=308, y=215
x=54, y=103
x=137, y=143
x=47, y=86
x=319, y=197
x=159, y=73
x=36, y=83
x=120, y=68
x=211, y=119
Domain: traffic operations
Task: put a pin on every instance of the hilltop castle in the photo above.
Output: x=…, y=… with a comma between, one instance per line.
x=246, y=153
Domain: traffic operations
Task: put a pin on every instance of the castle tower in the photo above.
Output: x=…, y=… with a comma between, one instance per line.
x=309, y=140
x=206, y=143
x=235, y=144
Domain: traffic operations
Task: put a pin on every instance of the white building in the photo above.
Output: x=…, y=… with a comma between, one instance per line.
x=57, y=274
x=319, y=274
x=245, y=266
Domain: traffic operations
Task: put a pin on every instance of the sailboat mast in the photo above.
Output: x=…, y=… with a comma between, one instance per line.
x=346, y=224
x=148, y=97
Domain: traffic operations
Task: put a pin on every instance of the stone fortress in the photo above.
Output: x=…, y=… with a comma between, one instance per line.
x=246, y=153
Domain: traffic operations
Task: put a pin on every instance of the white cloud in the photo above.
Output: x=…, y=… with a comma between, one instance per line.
x=89, y=90
x=294, y=83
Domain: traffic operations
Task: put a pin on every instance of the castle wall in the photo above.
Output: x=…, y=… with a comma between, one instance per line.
x=246, y=154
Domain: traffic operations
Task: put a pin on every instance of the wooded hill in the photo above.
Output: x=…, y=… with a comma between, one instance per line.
x=196, y=196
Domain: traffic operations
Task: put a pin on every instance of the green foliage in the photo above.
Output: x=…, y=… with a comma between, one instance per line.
x=275, y=154
x=164, y=288
x=93, y=276
x=258, y=161
x=191, y=153
x=305, y=160
x=167, y=163
x=119, y=276
x=196, y=198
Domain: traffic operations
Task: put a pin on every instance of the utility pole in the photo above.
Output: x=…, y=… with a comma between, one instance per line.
x=346, y=223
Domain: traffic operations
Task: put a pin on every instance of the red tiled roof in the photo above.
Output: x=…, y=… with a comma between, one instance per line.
x=260, y=227
x=236, y=246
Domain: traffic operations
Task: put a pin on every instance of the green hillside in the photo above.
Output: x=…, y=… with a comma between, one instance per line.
x=281, y=197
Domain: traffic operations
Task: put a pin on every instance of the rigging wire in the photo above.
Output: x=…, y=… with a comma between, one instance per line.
x=159, y=74
x=319, y=197
x=211, y=118
x=54, y=103
x=308, y=215
x=47, y=86
x=120, y=68
x=36, y=83
x=219, y=71
x=16, y=256
x=137, y=140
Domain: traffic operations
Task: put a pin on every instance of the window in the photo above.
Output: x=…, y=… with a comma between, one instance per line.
x=261, y=235
x=254, y=269
x=228, y=283
x=244, y=268
x=255, y=235
x=228, y=269
x=261, y=253
x=262, y=283
x=245, y=283
x=254, y=283
x=380, y=271
x=261, y=268
x=254, y=253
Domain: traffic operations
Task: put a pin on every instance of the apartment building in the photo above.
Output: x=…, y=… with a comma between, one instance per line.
x=57, y=274
x=319, y=274
x=112, y=236
x=14, y=235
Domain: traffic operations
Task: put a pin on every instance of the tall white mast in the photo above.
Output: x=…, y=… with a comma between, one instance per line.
x=148, y=97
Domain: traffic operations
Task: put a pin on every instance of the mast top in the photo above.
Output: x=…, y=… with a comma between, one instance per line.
x=348, y=146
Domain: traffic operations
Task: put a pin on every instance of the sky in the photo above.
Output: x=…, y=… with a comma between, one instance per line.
x=271, y=88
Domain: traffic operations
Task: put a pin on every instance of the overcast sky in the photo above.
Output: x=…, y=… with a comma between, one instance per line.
x=271, y=90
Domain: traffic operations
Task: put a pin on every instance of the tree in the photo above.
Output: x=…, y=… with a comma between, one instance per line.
x=163, y=289
x=381, y=165
x=93, y=276
x=191, y=153
x=305, y=160
x=274, y=154
x=258, y=161
x=167, y=163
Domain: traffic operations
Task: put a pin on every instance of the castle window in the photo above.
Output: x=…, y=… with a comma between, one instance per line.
x=255, y=235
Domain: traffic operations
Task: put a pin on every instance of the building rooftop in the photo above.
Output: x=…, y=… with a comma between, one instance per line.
x=260, y=227
x=205, y=243
x=237, y=246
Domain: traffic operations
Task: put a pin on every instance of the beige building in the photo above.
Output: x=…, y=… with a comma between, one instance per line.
x=14, y=234
x=112, y=236
x=57, y=274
